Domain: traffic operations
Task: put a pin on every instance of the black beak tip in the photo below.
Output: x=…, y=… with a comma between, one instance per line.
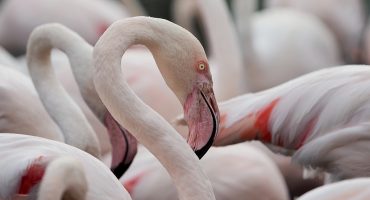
x=201, y=152
x=121, y=169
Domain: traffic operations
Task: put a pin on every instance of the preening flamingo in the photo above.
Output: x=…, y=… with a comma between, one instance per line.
x=321, y=117
x=243, y=175
x=89, y=18
x=281, y=44
x=346, y=19
x=357, y=188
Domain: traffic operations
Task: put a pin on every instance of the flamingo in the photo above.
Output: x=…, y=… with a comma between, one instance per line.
x=346, y=19
x=80, y=54
x=319, y=118
x=149, y=128
x=357, y=188
x=89, y=18
x=195, y=91
x=20, y=108
x=54, y=170
x=243, y=176
x=281, y=44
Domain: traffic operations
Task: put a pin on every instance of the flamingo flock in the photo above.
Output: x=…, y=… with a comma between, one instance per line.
x=107, y=103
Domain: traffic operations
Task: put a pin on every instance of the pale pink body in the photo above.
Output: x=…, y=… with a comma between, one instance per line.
x=243, y=174
x=102, y=184
x=353, y=189
x=20, y=108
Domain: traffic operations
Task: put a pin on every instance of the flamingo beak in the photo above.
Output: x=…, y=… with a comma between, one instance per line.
x=202, y=116
x=124, y=146
x=130, y=152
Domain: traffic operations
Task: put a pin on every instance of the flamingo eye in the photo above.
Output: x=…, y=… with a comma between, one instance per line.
x=202, y=66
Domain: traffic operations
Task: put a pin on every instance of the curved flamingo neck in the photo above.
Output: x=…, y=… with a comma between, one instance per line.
x=64, y=178
x=225, y=48
x=60, y=106
x=243, y=14
x=146, y=125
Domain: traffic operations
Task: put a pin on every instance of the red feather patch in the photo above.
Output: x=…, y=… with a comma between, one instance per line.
x=131, y=184
x=307, y=132
x=262, y=120
x=32, y=176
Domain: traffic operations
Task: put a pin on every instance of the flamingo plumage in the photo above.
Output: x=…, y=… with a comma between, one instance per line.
x=319, y=118
x=357, y=188
x=181, y=162
x=243, y=176
x=21, y=110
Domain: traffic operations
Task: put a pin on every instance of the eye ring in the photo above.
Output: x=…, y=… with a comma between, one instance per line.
x=202, y=66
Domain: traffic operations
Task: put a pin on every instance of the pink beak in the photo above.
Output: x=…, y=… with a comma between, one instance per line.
x=124, y=146
x=202, y=116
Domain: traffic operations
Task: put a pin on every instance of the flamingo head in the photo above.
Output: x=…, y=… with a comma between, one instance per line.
x=194, y=88
x=201, y=111
x=186, y=71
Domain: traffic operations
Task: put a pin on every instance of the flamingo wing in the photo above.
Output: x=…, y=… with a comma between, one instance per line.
x=343, y=152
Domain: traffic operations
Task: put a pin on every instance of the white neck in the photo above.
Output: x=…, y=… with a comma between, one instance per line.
x=61, y=107
x=145, y=124
x=65, y=179
x=225, y=48
x=183, y=13
x=243, y=14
